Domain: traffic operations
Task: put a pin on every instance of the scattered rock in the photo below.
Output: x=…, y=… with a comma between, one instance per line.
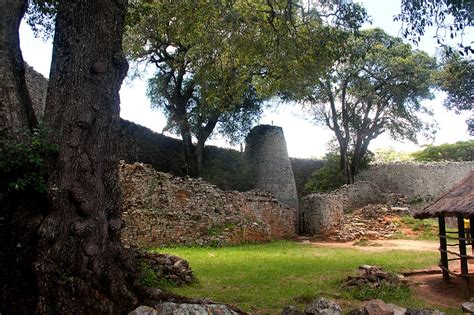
x=370, y=222
x=373, y=276
x=468, y=307
x=323, y=306
x=291, y=310
x=379, y=307
x=397, y=310
x=144, y=310
x=168, y=267
x=193, y=309
x=424, y=312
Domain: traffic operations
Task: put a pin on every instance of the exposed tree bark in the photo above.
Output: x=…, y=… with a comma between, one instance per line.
x=64, y=255
x=189, y=149
x=203, y=135
x=16, y=113
x=81, y=264
x=20, y=214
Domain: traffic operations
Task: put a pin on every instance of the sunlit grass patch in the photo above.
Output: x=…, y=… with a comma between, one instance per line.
x=264, y=278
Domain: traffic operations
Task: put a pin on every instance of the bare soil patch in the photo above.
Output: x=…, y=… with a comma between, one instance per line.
x=434, y=290
x=380, y=245
x=428, y=284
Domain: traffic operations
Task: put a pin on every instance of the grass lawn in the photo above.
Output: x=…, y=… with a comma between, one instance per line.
x=262, y=279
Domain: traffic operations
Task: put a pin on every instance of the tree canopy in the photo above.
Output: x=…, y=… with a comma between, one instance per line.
x=378, y=89
x=450, y=18
x=216, y=62
x=456, y=78
x=459, y=151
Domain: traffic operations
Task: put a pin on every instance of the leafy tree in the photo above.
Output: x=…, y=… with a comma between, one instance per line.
x=457, y=80
x=217, y=61
x=390, y=155
x=377, y=90
x=451, y=17
x=330, y=177
x=459, y=151
x=327, y=178
x=61, y=251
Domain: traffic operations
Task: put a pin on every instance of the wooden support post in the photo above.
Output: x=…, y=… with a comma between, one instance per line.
x=471, y=227
x=462, y=252
x=442, y=247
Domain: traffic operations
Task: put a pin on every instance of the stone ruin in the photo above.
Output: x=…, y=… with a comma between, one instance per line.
x=161, y=209
x=321, y=213
x=269, y=165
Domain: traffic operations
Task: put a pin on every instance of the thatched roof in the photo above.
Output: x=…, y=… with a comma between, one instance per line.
x=459, y=200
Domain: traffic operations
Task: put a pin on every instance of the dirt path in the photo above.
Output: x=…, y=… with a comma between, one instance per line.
x=381, y=245
x=429, y=287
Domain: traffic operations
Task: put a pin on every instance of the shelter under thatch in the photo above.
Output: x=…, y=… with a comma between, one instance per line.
x=459, y=203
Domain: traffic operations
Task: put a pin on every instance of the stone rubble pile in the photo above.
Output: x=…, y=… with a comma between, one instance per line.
x=167, y=308
x=320, y=306
x=370, y=222
x=372, y=307
x=374, y=277
x=169, y=267
x=379, y=307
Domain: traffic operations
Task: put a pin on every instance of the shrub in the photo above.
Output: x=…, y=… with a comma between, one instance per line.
x=387, y=292
x=459, y=151
x=330, y=176
x=22, y=163
x=327, y=178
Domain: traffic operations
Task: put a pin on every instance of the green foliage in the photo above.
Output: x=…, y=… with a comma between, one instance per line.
x=459, y=151
x=226, y=169
x=216, y=61
x=22, y=163
x=41, y=15
x=327, y=178
x=390, y=155
x=446, y=16
x=149, y=278
x=456, y=78
x=377, y=89
x=262, y=279
x=426, y=229
x=219, y=229
x=330, y=176
x=388, y=292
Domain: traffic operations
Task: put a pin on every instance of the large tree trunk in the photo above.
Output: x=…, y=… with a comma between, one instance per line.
x=80, y=257
x=16, y=113
x=62, y=254
x=189, y=153
x=20, y=213
x=344, y=161
x=202, y=137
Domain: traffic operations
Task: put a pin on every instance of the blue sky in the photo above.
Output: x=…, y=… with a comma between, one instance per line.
x=303, y=138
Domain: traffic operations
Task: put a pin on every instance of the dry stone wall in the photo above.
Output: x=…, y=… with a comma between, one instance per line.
x=302, y=170
x=422, y=181
x=267, y=158
x=161, y=209
x=359, y=195
x=320, y=213
x=37, y=88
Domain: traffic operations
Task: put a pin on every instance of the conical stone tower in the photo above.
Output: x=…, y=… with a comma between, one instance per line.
x=269, y=165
